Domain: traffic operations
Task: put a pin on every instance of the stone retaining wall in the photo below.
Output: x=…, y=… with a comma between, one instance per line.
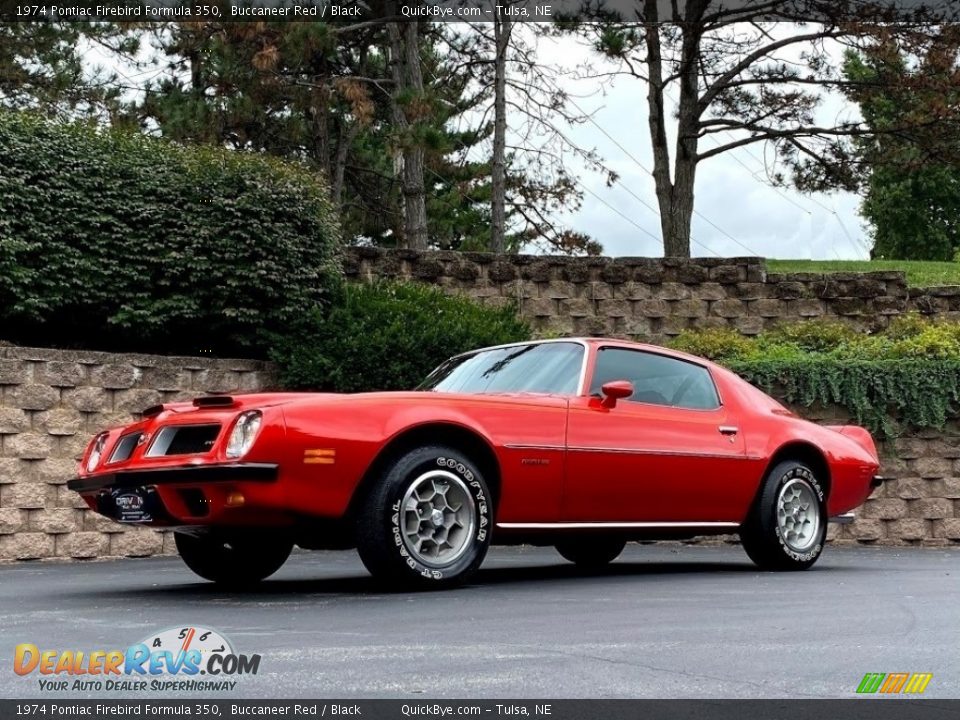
x=920, y=505
x=655, y=298
x=52, y=402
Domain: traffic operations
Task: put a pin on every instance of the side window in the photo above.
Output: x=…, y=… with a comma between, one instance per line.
x=657, y=379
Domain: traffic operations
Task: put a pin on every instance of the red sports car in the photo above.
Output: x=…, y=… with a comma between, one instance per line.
x=583, y=444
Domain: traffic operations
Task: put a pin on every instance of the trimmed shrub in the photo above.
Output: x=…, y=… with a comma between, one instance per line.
x=111, y=240
x=910, y=372
x=387, y=336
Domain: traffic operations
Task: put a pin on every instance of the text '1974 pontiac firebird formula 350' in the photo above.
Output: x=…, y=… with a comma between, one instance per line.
x=583, y=444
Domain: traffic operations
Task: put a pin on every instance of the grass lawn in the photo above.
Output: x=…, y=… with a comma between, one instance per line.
x=919, y=273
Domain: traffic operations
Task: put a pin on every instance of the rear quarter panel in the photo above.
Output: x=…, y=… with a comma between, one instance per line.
x=768, y=427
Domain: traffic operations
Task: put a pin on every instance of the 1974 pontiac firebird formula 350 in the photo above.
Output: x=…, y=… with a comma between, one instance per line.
x=583, y=444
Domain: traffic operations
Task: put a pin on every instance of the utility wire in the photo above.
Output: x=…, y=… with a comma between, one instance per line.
x=643, y=167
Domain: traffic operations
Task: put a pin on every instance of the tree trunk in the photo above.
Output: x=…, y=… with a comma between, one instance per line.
x=502, y=29
x=346, y=139
x=674, y=195
x=408, y=83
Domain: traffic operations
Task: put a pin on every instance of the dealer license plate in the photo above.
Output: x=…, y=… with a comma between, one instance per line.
x=131, y=506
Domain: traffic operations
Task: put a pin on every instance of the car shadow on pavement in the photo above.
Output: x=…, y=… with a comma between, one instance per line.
x=516, y=574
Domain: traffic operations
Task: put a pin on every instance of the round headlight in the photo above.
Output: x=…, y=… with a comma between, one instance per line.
x=244, y=433
x=96, y=452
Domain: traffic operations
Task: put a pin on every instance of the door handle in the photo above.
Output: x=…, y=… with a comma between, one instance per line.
x=728, y=429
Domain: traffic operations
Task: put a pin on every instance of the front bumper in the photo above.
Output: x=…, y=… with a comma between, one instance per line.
x=230, y=493
x=190, y=474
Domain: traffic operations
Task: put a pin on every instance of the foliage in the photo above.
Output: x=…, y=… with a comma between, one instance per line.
x=718, y=344
x=919, y=273
x=42, y=69
x=324, y=93
x=912, y=186
x=387, y=336
x=112, y=240
x=910, y=372
x=822, y=336
x=721, y=76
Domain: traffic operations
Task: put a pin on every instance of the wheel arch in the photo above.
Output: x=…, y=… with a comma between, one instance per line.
x=805, y=452
x=448, y=433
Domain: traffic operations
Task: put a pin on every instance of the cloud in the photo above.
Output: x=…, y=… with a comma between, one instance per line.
x=738, y=211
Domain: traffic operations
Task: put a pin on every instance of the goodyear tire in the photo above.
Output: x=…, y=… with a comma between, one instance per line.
x=234, y=560
x=787, y=527
x=591, y=552
x=426, y=520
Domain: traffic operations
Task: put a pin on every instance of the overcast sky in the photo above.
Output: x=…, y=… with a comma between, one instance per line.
x=738, y=212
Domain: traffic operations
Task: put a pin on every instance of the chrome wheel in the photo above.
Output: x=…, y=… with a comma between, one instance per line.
x=798, y=515
x=438, y=518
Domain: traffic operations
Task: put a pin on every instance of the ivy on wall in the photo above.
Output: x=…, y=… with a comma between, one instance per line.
x=883, y=395
x=906, y=376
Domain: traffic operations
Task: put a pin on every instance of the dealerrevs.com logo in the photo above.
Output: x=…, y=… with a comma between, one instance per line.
x=189, y=658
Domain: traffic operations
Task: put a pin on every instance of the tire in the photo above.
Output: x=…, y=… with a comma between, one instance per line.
x=407, y=539
x=587, y=552
x=787, y=526
x=236, y=561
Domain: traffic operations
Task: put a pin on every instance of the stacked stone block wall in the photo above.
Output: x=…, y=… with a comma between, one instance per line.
x=655, y=298
x=52, y=402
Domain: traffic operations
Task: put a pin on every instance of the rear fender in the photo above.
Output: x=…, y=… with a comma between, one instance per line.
x=859, y=435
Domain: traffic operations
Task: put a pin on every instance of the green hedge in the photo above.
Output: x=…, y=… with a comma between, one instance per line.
x=110, y=240
x=387, y=336
x=905, y=376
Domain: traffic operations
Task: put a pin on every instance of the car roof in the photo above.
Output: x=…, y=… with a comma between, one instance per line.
x=605, y=341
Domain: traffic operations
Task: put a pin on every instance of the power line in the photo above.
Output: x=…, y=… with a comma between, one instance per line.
x=643, y=167
x=855, y=241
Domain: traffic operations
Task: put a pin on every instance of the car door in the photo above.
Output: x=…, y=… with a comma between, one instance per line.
x=670, y=453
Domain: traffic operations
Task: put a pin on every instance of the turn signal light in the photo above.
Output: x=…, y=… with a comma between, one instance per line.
x=235, y=499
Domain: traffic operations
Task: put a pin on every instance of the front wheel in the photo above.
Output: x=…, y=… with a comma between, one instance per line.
x=787, y=527
x=591, y=552
x=234, y=560
x=426, y=520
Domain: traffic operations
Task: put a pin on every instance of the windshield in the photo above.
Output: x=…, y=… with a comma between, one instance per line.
x=545, y=368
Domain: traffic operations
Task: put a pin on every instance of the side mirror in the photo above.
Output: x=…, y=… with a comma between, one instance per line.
x=615, y=390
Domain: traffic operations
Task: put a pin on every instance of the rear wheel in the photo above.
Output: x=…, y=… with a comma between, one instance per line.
x=426, y=521
x=788, y=525
x=591, y=552
x=230, y=559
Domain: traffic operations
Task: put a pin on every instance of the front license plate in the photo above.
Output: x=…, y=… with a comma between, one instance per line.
x=131, y=506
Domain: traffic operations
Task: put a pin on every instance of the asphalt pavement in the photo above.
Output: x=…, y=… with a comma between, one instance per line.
x=663, y=621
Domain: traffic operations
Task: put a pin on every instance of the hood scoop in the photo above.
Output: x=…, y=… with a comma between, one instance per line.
x=214, y=401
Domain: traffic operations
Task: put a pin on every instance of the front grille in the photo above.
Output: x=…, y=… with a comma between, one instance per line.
x=125, y=447
x=184, y=440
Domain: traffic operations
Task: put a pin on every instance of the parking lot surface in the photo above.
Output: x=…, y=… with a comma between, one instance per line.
x=663, y=621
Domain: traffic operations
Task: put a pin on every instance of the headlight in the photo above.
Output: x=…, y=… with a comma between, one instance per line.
x=96, y=452
x=244, y=433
